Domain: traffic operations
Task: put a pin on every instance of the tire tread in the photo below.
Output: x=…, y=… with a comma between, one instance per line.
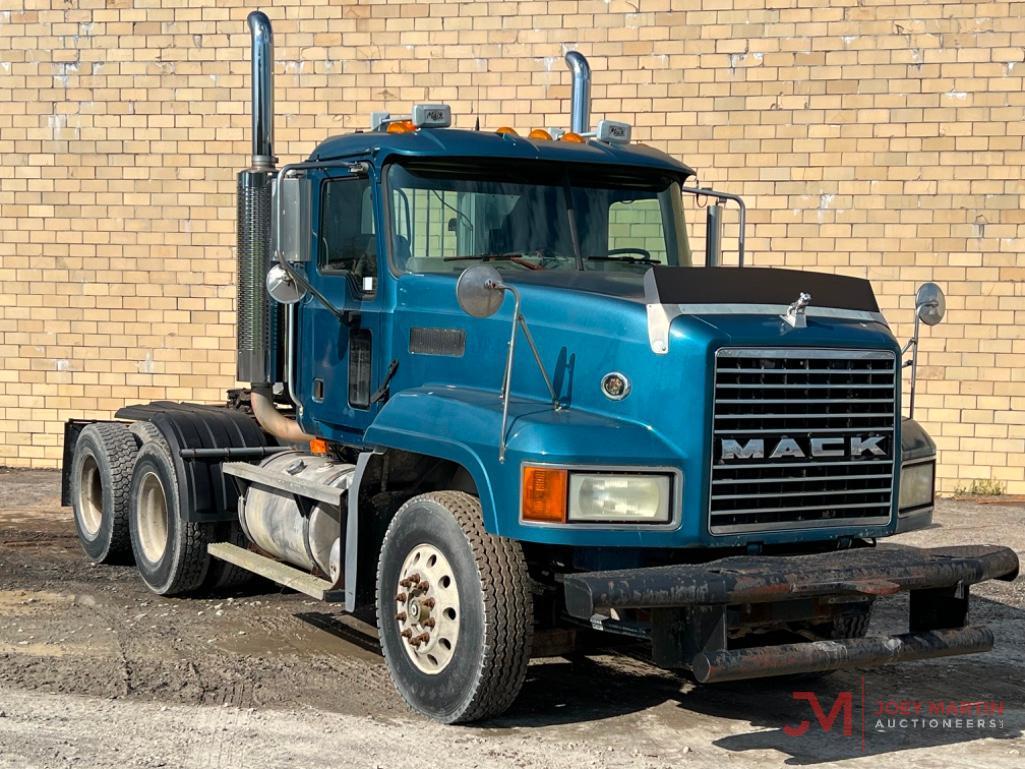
x=508, y=607
x=119, y=452
x=193, y=559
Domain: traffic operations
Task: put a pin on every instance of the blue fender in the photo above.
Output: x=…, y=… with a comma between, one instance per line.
x=434, y=411
x=463, y=425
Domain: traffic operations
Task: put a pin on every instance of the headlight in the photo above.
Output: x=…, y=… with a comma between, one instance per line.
x=561, y=495
x=604, y=498
x=916, y=486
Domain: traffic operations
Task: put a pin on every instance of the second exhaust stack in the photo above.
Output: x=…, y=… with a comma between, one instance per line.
x=580, y=99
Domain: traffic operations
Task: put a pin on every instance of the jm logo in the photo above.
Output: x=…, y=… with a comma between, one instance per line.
x=844, y=705
x=854, y=447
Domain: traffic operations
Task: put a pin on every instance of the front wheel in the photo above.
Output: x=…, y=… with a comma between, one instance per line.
x=454, y=609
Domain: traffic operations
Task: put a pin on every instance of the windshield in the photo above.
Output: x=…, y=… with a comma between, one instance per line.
x=555, y=218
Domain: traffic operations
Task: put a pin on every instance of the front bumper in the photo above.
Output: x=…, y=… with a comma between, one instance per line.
x=694, y=606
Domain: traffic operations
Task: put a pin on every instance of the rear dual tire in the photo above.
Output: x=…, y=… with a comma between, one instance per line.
x=101, y=474
x=220, y=575
x=170, y=553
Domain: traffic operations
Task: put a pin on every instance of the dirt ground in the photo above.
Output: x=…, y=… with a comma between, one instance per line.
x=97, y=672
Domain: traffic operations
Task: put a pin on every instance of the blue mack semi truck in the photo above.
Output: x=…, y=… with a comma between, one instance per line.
x=497, y=407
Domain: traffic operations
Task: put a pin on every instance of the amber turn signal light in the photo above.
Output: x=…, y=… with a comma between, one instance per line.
x=401, y=127
x=544, y=494
x=319, y=447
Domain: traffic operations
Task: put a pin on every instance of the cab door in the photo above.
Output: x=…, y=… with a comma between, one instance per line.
x=339, y=365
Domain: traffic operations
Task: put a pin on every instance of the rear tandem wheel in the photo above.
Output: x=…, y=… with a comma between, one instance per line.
x=101, y=473
x=170, y=553
x=221, y=575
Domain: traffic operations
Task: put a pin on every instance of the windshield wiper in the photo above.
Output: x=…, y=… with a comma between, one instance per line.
x=627, y=259
x=509, y=256
x=516, y=257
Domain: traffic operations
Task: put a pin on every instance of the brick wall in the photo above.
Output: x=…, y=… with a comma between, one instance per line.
x=870, y=137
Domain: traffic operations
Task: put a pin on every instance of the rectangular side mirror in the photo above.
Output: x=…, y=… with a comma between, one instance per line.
x=291, y=225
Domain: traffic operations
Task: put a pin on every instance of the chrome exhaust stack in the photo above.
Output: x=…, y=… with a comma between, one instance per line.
x=263, y=89
x=259, y=320
x=580, y=98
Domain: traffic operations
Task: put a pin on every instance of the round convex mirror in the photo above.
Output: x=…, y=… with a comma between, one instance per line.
x=930, y=304
x=479, y=291
x=281, y=287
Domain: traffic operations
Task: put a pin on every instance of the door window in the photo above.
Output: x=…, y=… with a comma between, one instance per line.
x=347, y=240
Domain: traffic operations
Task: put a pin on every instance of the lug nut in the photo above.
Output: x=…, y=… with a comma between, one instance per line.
x=407, y=633
x=429, y=622
x=424, y=586
x=429, y=603
x=422, y=638
x=401, y=616
x=401, y=597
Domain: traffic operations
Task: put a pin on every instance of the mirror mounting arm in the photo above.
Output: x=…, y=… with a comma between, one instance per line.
x=348, y=317
x=912, y=345
x=480, y=292
x=518, y=322
x=930, y=307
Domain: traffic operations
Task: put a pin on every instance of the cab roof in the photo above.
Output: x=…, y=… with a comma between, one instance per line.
x=452, y=143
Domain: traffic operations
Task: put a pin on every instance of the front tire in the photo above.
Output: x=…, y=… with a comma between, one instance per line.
x=170, y=552
x=457, y=650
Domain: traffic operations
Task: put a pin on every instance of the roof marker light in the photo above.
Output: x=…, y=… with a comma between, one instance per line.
x=401, y=127
x=540, y=134
x=432, y=115
x=613, y=132
x=572, y=138
x=506, y=130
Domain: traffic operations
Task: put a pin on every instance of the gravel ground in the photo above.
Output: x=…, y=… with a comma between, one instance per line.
x=97, y=672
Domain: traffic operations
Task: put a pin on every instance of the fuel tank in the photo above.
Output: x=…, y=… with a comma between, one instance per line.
x=272, y=520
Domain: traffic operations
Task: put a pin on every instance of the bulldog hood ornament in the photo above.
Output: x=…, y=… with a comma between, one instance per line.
x=794, y=316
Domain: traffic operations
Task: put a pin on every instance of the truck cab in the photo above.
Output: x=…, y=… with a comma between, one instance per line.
x=496, y=399
x=591, y=236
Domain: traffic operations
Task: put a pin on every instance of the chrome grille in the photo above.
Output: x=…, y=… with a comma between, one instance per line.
x=809, y=439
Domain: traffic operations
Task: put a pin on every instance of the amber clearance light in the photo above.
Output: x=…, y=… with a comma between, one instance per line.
x=544, y=494
x=401, y=127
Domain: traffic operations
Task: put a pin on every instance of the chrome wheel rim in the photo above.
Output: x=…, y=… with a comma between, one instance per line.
x=152, y=513
x=427, y=609
x=90, y=497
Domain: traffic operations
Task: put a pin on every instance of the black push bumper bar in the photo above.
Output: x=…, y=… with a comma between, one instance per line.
x=817, y=656
x=690, y=605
